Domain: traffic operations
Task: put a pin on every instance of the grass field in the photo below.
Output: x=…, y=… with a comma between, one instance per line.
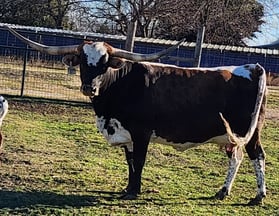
x=55, y=163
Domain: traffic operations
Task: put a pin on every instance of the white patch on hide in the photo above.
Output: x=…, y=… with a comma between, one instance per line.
x=3, y=109
x=120, y=137
x=96, y=84
x=94, y=52
x=221, y=140
x=259, y=166
x=234, y=164
x=241, y=71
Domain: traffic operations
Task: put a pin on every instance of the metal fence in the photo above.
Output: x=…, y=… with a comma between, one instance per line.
x=28, y=73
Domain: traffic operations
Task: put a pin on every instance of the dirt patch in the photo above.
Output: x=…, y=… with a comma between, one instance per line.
x=272, y=114
x=273, y=79
x=47, y=108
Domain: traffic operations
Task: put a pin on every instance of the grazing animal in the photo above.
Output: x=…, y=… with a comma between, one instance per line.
x=137, y=101
x=3, y=111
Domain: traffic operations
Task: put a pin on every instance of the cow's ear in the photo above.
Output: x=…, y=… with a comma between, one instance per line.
x=71, y=60
x=116, y=62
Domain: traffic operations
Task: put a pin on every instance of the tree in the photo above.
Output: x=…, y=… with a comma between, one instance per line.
x=131, y=17
x=226, y=21
x=120, y=13
x=270, y=29
x=58, y=9
x=21, y=12
x=45, y=13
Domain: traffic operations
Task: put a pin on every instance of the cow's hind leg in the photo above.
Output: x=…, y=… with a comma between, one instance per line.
x=135, y=160
x=257, y=156
x=236, y=156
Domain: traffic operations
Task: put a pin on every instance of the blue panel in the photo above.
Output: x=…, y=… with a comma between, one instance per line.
x=210, y=58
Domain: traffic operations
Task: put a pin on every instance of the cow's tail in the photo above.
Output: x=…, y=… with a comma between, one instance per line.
x=234, y=138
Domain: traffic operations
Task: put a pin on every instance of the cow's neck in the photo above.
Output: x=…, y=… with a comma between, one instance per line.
x=104, y=81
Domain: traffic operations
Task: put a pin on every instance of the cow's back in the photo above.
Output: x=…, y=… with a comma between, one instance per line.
x=187, y=104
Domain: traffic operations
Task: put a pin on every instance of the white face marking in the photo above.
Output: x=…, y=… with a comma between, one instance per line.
x=94, y=52
x=221, y=140
x=3, y=108
x=120, y=137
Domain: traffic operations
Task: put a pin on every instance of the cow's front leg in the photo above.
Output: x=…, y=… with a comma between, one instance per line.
x=236, y=156
x=135, y=160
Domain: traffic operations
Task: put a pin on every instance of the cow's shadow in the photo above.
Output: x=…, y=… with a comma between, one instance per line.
x=16, y=199
x=19, y=200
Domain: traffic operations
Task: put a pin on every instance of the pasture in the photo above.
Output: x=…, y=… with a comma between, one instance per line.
x=54, y=162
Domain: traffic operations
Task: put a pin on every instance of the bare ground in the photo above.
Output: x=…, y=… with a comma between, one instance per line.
x=273, y=114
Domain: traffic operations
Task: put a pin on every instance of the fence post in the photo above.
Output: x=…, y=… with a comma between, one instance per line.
x=24, y=71
x=130, y=39
x=198, y=49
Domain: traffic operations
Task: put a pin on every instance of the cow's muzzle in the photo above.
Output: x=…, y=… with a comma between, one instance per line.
x=87, y=90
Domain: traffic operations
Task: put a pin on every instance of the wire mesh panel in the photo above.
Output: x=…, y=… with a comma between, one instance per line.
x=11, y=62
x=29, y=73
x=25, y=72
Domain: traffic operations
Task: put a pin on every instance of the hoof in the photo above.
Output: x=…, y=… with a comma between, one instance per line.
x=124, y=191
x=128, y=196
x=258, y=200
x=221, y=194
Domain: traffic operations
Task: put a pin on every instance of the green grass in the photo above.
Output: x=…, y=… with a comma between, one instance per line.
x=55, y=163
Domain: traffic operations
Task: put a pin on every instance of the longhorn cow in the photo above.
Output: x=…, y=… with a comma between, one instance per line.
x=137, y=101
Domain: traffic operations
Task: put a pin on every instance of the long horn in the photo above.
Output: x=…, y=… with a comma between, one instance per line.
x=143, y=57
x=51, y=50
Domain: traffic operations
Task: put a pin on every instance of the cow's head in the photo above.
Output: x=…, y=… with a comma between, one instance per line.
x=94, y=58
